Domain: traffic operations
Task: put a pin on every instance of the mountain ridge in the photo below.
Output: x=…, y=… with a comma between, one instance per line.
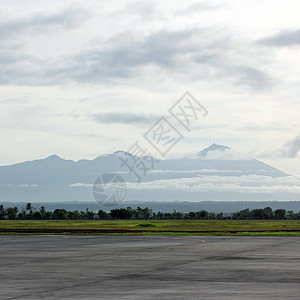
x=55, y=157
x=171, y=179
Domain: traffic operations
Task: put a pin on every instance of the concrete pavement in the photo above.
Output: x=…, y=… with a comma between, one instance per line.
x=149, y=267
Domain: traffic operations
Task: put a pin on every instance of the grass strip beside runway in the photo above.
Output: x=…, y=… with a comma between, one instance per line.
x=256, y=228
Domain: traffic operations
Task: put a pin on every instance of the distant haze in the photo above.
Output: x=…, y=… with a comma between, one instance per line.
x=80, y=78
x=211, y=174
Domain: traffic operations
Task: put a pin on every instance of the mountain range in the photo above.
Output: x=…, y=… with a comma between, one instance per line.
x=204, y=176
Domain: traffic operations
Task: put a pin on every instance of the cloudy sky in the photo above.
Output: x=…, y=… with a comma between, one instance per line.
x=83, y=78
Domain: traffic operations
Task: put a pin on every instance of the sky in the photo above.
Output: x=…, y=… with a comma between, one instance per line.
x=84, y=78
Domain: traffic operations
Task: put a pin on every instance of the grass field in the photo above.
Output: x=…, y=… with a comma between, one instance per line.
x=257, y=228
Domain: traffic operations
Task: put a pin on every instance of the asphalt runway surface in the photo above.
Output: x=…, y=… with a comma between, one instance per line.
x=149, y=267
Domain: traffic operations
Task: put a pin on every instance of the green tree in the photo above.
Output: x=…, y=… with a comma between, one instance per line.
x=22, y=214
x=43, y=212
x=2, y=212
x=37, y=215
x=121, y=213
x=202, y=214
x=28, y=206
x=90, y=214
x=29, y=210
x=102, y=215
x=220, y=216
x=60, y=214
x=258, y=214
x=11, y=213
x=268, y=213
x=291, y=215
x=280, y=214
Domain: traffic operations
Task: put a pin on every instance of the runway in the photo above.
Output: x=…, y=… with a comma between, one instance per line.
x=149, y=267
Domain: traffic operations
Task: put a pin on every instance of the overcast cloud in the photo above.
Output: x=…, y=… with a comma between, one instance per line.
x=292, y=147
x=131, y=61
x=204, y=53
x=124, y=118
x=288, y=37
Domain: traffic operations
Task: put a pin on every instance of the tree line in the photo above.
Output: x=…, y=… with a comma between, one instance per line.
x=31, y=213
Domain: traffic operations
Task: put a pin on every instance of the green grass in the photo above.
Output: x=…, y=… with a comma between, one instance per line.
x=145, y=225
x=189, y=227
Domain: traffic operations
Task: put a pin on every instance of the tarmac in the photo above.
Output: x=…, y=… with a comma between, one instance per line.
x=149, y=267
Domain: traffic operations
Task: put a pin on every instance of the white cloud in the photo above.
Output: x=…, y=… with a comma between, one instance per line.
x=242, y=184
x=249, y=184
x=139, y=58
x=227, y=154
x=292, y=147
x=78, y=184
x=285, y=38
